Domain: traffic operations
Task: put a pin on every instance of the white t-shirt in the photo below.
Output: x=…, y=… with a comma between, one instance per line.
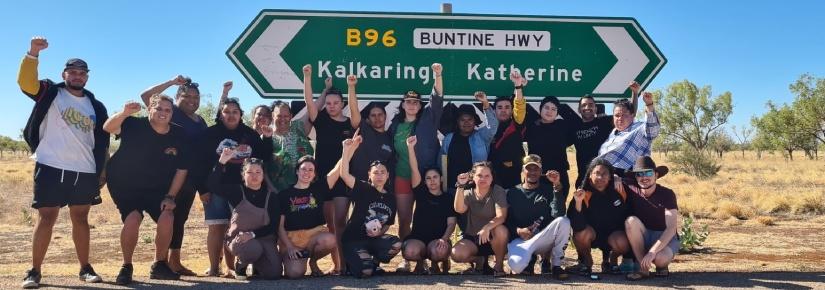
x=67, y=134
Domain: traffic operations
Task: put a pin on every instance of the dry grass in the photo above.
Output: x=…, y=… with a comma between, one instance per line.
x=788, y=196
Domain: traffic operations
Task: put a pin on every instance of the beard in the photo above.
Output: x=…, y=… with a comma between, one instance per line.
x=75, y=86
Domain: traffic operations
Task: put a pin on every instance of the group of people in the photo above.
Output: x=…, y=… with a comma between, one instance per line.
x=278, y=203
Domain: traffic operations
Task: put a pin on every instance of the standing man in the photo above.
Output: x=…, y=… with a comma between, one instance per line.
x=592, y=130
x=630, y=140
x=65, y=132
x=506, y=149
x=184, y=114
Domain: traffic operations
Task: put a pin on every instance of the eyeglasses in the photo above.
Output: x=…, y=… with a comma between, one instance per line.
x=646, y=173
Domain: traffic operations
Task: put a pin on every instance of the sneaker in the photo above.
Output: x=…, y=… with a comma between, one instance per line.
x=88, y=275
x=628, y=266
x=546, y=266
x=124, y=277
x=161, y=271
x=240, y=272
x=32, y=280
x=559, y=273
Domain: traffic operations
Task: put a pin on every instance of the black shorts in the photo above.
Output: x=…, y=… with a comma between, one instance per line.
x=129, y=200
x=379, y=248
x=426, y=252
x=55, y=187
x=483, y=250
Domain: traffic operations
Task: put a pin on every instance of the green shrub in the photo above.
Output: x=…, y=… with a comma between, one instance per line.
x=695, y=163
x=691, y=239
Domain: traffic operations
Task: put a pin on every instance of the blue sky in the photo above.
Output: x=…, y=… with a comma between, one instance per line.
x=753, y=49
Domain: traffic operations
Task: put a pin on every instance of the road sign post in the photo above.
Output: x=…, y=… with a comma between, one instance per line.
x=391, y=53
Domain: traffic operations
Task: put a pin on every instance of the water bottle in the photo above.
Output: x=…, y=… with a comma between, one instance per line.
x=537, y=224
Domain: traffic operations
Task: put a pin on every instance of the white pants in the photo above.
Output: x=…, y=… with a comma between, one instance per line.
x=550, y=240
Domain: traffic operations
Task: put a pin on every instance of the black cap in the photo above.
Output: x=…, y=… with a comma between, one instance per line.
x=76, y=63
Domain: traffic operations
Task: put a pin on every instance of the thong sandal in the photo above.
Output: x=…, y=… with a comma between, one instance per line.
x=636, y=276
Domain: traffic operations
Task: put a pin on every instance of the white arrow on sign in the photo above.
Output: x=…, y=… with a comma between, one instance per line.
x=630, y=60
x=265, y=54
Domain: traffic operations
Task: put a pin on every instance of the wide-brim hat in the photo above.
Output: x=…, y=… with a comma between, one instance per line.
x=467, y=109
x=645, y=163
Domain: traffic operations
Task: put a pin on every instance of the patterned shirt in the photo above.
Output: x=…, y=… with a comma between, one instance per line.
x=622, y=148
x=287, y=150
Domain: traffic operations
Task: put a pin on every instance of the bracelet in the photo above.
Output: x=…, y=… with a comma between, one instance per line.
x=648, y=105
x=438, y=76
x=519, y=87
x=172, y=197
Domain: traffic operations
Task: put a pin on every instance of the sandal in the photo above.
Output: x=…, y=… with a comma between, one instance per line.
x=636, y=276
x=317, y=273
x=663, y=272
x=210, y=273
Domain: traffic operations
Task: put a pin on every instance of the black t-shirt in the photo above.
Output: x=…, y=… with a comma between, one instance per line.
x=589, y=137
x=506, y=153
x=369, y=204
x=651, y=210
x=459, y=157
x=529, y=206
x=246, y=142
x=604, y=211
x=550, y=141
x=147, y=159
x=431, y=213
x=303, y=208
x=329, y=134
x=376, y=146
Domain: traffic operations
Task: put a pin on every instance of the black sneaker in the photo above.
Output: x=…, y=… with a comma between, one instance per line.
x=559, y=273
x=546, y=266
x=161, y=271
x=32, y=280
x=88, y=275
x=240, y=272
x=124, y=277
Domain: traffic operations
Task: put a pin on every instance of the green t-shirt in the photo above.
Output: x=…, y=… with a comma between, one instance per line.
x=402, y=132
x=287, y=150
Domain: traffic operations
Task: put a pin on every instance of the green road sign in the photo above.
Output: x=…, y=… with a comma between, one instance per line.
x=391, y=53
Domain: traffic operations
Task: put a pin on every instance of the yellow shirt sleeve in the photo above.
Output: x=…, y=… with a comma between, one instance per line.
x=27, y=77
x=519, y=110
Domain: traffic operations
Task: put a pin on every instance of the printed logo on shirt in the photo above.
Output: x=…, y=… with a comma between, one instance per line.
x=171, y=151
x=587, y=133
x=300, y=203
x=242, y=151
x=379, y=211
x=76, y=119
x=386, y=147
x=617, y=203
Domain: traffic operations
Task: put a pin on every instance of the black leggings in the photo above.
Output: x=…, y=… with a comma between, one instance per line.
x=380, y=250
x=183, y=203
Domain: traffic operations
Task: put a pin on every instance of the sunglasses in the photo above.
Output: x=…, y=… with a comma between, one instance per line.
x=646, y=173
x=254, y=160
x=191, y=85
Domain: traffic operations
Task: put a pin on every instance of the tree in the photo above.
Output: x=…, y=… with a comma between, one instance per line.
x=744, y=137
x=810, y=102
x=783, y=128
x=720, y=142
x=690, y=114
x=665, y=144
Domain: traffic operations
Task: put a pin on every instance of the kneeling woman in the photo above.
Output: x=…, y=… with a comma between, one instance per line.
x=485, y=206
x=597, y=214
x=302, y=234
x=145, y=174
x=365, y=240
x=256, y=215
x=433, y=221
